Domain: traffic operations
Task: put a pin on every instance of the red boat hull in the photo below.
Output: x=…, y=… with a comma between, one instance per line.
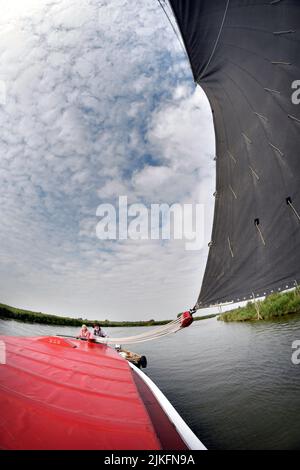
x=71, y=394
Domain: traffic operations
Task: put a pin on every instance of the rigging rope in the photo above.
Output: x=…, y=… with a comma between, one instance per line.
x=173, y=326
x=173, y=27
x=169, y=328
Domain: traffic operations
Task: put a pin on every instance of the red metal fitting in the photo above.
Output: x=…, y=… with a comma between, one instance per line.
x=186, y=319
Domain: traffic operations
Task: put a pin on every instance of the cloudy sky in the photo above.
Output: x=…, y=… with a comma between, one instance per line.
x=97, y=101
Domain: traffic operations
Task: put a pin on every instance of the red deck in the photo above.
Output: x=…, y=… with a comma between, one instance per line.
x=71, y=395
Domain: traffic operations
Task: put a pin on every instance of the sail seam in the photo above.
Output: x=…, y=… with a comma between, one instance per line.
x=216, y=43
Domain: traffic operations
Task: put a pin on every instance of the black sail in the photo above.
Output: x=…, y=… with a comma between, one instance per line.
x=245, y=54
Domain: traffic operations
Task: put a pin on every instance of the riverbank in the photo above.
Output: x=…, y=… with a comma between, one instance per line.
x=26, y=316
x=272, y=307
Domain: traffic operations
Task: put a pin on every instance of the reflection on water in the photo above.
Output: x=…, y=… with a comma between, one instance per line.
x=234, y=383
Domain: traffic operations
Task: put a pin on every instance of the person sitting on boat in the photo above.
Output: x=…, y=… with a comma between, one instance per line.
x=85, y=333
x=98, y=331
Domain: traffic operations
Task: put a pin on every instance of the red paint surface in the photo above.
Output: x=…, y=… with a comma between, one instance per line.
x=186, y=319
x=57, y=396
x=165, y=429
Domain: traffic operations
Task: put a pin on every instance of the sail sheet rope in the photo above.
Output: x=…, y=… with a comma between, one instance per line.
x=169, y=328
x=184, y=320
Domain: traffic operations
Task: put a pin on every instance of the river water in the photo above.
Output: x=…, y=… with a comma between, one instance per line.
x=233, y=383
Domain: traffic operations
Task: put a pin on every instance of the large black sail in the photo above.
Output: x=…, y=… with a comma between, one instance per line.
x=245, y=54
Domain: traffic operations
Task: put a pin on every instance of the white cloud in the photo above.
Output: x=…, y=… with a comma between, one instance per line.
x=95, y=108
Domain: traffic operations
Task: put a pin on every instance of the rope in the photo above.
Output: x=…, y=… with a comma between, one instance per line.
x=260, y=233
x=172, y=26
x=293, y=117
x=231, y=156
x=270, y=90
x=261, y=116
x=254, y=172
x=294, y=209
x=169, y=328
x=277, y=149
x=230, y=187
x=230, y=248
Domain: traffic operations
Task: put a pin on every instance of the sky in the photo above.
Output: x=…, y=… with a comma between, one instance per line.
x=97, y=100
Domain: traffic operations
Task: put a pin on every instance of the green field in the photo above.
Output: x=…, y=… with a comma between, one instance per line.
x=272, y=307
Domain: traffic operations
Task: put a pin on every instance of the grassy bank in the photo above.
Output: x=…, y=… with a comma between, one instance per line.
x=274, y=306
x=204, y=317
x=27, y=316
